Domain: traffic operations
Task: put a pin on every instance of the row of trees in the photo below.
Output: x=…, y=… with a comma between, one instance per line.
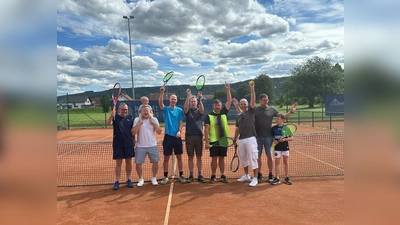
x=308, y=83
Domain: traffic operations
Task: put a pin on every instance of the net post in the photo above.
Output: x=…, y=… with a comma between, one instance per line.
x=298, y=117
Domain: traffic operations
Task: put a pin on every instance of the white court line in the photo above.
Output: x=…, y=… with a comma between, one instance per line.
x=320, y=161
x=171, y=189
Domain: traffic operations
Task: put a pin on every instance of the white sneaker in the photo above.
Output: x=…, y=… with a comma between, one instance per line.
x=244, y=178
x=140, y=182
x=154, y=181
x=254, y=182
x=164, y=180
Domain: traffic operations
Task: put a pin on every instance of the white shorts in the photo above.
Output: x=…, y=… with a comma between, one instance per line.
x=248, y=150
x=278, y=154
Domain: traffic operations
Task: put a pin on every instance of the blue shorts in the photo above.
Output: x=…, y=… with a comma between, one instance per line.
x=171, y=142
x=265, y=142
x=123, y=152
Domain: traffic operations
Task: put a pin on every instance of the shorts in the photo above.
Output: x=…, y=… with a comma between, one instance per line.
x=217, y=150
x=172, y=142
x=141, y=153
x=278, y=154
x=265, y=142
x=123, y=152
x=194, y=143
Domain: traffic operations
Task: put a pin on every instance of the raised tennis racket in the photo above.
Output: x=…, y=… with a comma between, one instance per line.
x=235, y=161
x=168, y=77
x=116, y=92
x=287, y=131
x=223, y=142
x=201, y=80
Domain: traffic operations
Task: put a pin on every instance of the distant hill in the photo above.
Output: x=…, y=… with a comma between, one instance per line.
x=180, y=90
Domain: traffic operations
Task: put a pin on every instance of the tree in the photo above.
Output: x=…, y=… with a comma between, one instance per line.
x=243, y=91
x=263, y=85
x=317, y=77
x=105, y=102
x=221, y=93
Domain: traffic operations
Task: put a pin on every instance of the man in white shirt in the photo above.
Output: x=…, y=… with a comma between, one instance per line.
x=146, y=126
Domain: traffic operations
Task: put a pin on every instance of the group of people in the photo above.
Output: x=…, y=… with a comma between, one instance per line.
x=254, y=131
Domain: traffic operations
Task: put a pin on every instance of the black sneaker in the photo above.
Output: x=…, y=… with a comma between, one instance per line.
x=259, y=177
x=212, y=179
x=190, y=179
x=270, y=177
x=201, y=179
x=288, y=181
x=223, y=179
x=275, y=181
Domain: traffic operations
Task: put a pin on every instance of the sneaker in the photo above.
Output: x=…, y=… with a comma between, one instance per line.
x=129, y=183
x=259, y=177
x=190, y=179
x=182, y=179
x=212, y=179
x=275, y=181
x=244, y=178
x=223, y=179
x=288, y=181
x=254, y=182
x=270, y=177
x=116, y=185
x=140, y=182
x=201, y=179
x=154, y=181
x=164, y=180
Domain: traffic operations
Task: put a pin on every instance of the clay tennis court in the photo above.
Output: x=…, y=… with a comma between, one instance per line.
x=310, y=200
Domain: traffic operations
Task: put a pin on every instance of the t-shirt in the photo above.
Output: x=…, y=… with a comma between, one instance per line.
x=245, y=122
x=263, y=120
x=218, y=124
x=146, y=136
x=277, y=134
x=122, y=136
x=193, y=122
x=171, y=119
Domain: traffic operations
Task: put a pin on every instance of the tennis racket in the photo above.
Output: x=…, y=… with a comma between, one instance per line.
x=223, y=142
x=287, y=131
x=235, y=161
x=168, y=77
x=116, y=92
x=201, y=80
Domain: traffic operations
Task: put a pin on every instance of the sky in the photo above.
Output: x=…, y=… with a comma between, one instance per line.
x=228, y=41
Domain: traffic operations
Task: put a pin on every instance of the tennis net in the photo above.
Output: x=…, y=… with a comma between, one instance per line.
x=90, y=163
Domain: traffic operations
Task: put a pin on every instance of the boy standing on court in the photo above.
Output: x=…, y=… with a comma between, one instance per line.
x=281, y=149
x=215, y=127
x=173, y=119
x=194, y=133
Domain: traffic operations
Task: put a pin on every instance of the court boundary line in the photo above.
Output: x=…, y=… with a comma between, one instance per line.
x=171, y=190
x=319, y=160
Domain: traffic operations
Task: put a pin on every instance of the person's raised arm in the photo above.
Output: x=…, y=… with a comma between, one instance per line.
x=252, y=95
x=236, y=104
x=110, y=118
x=186, y=106
x=288, y=114
x=161, y=98
x=228, y=96
x=201, y=106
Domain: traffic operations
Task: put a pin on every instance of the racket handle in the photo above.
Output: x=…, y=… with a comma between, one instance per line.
x=114, y=108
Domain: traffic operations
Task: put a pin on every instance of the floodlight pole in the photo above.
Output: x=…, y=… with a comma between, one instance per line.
x=130, y=52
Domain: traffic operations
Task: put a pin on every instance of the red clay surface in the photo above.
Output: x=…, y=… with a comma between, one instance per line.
x=316, y=200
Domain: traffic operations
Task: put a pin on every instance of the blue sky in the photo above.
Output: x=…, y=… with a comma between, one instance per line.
x=224, y=40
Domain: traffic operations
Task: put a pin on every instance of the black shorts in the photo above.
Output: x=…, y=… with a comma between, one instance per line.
x=194, y=144
x=123, y=152
x=217, y=150
x=171, y=142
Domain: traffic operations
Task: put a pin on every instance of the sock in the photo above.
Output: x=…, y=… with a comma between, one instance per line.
x=199, y=173
x=165, y=174
x=181, y=173
x=191, y=173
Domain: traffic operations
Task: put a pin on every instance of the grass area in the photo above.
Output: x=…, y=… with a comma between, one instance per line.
x=95, y=118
